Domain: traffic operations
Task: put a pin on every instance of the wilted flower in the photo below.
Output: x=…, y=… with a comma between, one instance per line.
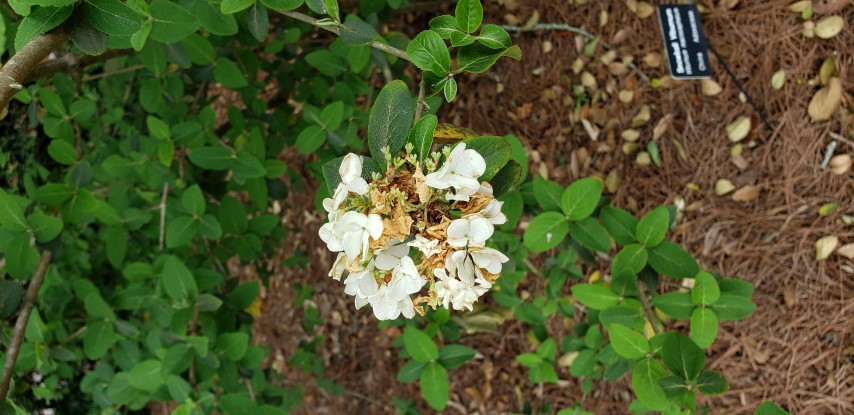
x=447, y=216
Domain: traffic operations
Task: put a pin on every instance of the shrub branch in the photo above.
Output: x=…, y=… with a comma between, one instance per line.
x=16, y=71
x=391, y=50
x=21, y=323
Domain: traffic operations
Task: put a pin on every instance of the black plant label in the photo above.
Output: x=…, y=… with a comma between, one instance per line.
x=686, y=46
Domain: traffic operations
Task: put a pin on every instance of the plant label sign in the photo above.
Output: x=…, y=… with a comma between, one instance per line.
x=686, y=46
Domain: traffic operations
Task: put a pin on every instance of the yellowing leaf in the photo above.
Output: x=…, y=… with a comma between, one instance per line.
x=826, y=100
x=846, y=250
x=840, y=165
x=710, y=87
x=778, y=79
x=738, y=129
x=825, y=246
x=746, y=194
x=450, y=134
x=829, y=27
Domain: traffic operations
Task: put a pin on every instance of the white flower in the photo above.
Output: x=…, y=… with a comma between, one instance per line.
x=350, y=233
x=459, y=263
x=492, y=212
x=387, y=308
x=405, y=279
x=489, y=259
x=331, y=205
x=338, y=267
x=457, y=293
x=460, y=171
x=351, y=174
x=389, y=257
x=428, y=247
x=472, y=231
x=361, y=285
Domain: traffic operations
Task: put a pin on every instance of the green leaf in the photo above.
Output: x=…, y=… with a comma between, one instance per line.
x=310, y=139
x=193, y=200
x=282, y=4
x=11, y=295
x=390, y=120
x=52, y=103
x=332, y=115
x=477, y=58
x=590, y=234
x=645, y=376
x=411, y=371
x=356, y=32
x=89, y=40
x=317, y=6
x=112, y=17
x=21, y=258
x=419, y=345
x=233, y=345
x=97, y=308
x=494, y=37
x=98, y=338
x=327, y=63
x=594, y=296
x=632, y=259
x=212, y=158
x=421, y=136
x=45, y=227
x=211, y=18
x=234, y=6
x=157, y=128
x=736, y=286
x=584, y=363
x=675, y=304
x=62, y=152
x=444, y=26
x=712, y=382
x=180, y=231
x=229, y=74
x=653, y=226
x=706, y=290
x=730, y=307
x=622, y=314
x=172, y=23
x=450, y=90
x=469, y=15
x=429, y=53
x=682, y=356
x=199, y=49
x=545, y=232
x=248, y=166
x=36, y=330
x=495, y=151
x=146, y=375
x=434, y=386
x=454, y=355
x=332, y=9
x=547, y=193
x=49, y=194
x=621, y=225
x=529, y=359
x=116, y=241
x=547, y=349
x=704, y=327
x=178, y=281
x=671, y=260
x=579, y=200
x=506, y=178
x=258, y=21
x=627, y=342
x=40, y=20
x=770, y=408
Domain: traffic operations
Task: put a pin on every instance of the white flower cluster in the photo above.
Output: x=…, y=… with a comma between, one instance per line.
x=404, y=231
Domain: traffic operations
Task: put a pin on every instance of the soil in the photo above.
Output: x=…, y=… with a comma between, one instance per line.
x=797, y=350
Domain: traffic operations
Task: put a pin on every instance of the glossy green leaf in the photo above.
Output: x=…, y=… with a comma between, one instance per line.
x=579, y=200
x=454, y=355
x=770, y=408
x=411, y=371
x=193, y=200
x=590, y=234
x=529, y=359
x=356, y=32
x=21, y=258
x=450, y=90
x=506, y=178
x=41, y=20
x=390, y=119
x=180, y=231
x=89, y=40
x=211, y=18
x=310, y=139
x=229, y=74
x=234, y=6
x=258, y=21
x=429, y=53
x=704, y=327
x=494, y=37
x=632, y=259
x=11, y=294
x=469, y=15
x=645, y=376
x=421, y=136
x=434, y=386
x=547, y=193
x=731, y=307
x=178, y=281
x=283, y=4
x=233, y=346
x=212, y=158
x=545, y=232
x=495, y=151
x=44, y=227
x=146, y=375
x=671, y=260
x=477, y=58
x=112, y=17
x=675, y=304
x=627, y=342
x=712, y=382
x=621, y=225
x=419, y=345
x=98, y=338
x=683, y=357
x=444, y=26
x=594, y=296
x=705, y=290
x=172, y=23
x=653, y=226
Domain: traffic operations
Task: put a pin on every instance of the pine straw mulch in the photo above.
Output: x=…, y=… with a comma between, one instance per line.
x=796, y=350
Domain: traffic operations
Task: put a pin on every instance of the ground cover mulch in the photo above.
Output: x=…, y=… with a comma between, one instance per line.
x=797, y=349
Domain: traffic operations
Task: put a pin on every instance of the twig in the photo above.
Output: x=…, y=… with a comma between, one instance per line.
x=249, y=388
x=15, y=72
x=112, y=73
x=70, y=62
x=421, y=104
x=576, y=30
x=646, y=308
x=533, y=268
x=163, y=214
x=841, y=138
x=741, y=88
x=21, y=324
x=334, y=29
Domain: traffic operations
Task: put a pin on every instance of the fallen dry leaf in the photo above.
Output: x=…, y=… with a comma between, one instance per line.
x=723, y=186
x=652, y=59
x=661, y=127
x=826, y=100
x=808, y=29
x=710, y=88
x=800, y=6
x=829, y=27
x=840, y=164
x=746, y=194
x=738, y=129
x=846, y=250
x=630, y=135
x=778, y=79
x=825, y=246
